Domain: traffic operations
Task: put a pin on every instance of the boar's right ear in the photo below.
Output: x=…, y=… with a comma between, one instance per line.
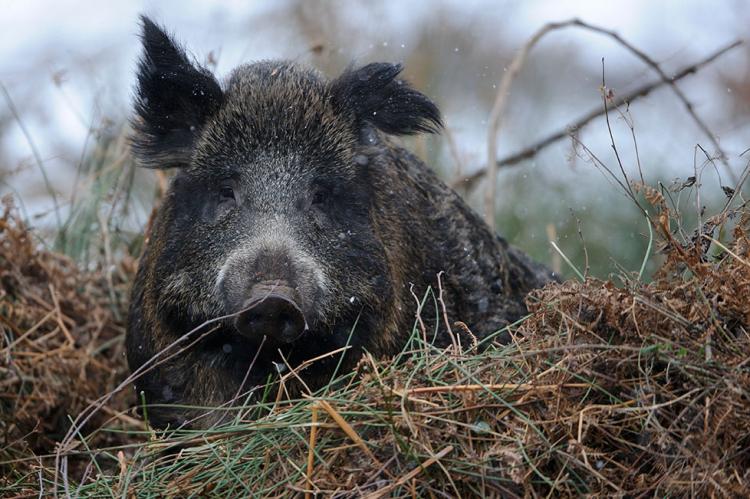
x=173, y=101
x=377, y=98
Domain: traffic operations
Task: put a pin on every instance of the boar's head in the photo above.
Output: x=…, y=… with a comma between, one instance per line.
x=269, y=220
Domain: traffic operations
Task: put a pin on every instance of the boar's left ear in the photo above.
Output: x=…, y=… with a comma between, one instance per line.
x=174, y=99
x=376, y=97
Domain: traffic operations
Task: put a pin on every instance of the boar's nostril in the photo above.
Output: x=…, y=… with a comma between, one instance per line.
x=271, y=313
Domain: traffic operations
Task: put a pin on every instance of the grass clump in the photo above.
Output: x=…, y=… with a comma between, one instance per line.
x=641, y=388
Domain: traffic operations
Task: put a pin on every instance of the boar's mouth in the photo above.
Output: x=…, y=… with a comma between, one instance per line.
x=271, y=311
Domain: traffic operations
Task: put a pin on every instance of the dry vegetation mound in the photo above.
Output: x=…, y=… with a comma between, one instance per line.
x=636, y=389
x=61, y=345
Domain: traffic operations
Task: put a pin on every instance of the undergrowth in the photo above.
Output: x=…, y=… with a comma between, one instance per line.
x=632, y=389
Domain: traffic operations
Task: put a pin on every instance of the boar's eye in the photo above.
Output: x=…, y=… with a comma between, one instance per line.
x=225, y=200
x=226, y=193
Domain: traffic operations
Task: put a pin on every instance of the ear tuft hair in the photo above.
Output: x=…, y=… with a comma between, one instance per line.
x=376, y=97
x=173, y=101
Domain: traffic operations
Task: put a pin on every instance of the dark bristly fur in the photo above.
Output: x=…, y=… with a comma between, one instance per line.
x=285, y=176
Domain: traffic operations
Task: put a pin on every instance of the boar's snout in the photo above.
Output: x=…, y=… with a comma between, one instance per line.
x=272, y=311
x=272, y=287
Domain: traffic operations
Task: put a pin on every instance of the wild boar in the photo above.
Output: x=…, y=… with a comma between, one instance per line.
x=294, y=226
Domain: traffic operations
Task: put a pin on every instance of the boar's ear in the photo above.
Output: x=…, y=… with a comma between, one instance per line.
x=173, y=101
x=376, y=97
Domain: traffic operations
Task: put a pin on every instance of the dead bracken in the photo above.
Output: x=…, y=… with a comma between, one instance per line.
x=61, y=345
x=638, y=389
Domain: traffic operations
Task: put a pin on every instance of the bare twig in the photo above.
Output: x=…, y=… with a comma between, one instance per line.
x=498, y=110
x=737, y=187
x=529, y=152
x=586, y=268
x=418, y=314
x=628, y=119
x=455, y=340
x=606, y=97
x=455, y=153
x=670, y=81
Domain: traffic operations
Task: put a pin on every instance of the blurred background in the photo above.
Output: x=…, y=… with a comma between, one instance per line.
x=67, y=74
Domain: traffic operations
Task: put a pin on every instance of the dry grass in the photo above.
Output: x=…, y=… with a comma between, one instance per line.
x=641, y=389
x=61, y=344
